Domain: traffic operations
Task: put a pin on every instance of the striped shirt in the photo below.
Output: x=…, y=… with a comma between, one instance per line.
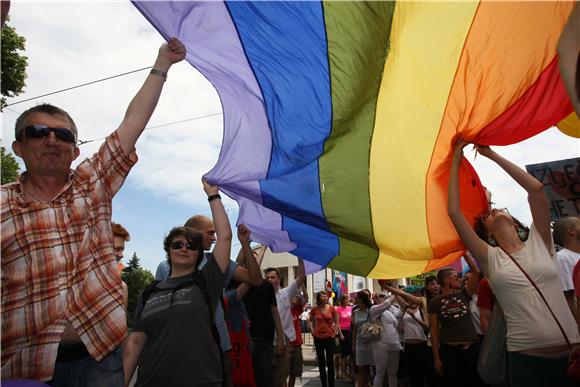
x=58, y=266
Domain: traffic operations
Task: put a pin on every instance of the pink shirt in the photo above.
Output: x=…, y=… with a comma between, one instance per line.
x=344, y=314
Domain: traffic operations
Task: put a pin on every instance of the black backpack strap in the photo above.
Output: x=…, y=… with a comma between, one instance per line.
x=200, y=281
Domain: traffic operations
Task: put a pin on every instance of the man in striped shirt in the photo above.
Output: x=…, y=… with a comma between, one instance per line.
x=62, y=307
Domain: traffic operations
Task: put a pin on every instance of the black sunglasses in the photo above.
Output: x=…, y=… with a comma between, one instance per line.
x=179, y=246
x=39, y=131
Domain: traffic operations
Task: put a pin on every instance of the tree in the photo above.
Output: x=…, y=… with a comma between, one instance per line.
x=10, y=168
x=13, y=64
x=136, y=279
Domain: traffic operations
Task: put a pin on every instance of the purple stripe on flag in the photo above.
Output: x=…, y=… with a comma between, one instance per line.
x=213, y=47
x=310, y=267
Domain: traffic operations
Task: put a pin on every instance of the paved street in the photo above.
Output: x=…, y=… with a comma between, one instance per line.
x=310, y=379
x=310, y=376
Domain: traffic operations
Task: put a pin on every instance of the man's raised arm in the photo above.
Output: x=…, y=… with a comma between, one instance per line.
x=143, y=104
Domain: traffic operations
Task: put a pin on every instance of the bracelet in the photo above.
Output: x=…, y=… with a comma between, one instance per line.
x=162, y=74
x=213, y=197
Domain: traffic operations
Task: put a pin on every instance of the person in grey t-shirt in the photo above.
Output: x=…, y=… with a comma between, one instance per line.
x=250, y=275
x=172, y=340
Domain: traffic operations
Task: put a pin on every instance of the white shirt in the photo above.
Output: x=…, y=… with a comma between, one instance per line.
x=284, y=299
x=474, y=309
x=529, y=322
x=566, y=260
x=390, y=316
x=413, y=330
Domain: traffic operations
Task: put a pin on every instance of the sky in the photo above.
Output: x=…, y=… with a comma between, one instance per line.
x=72, y=43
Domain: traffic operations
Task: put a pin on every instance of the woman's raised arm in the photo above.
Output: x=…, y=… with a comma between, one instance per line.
x=223, y=244
x=464, y=229
x=536, y=195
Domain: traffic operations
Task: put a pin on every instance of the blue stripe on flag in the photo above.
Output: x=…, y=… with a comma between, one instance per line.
x=285, y=43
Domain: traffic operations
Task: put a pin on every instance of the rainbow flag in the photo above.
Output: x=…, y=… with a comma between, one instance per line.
x=339, y=116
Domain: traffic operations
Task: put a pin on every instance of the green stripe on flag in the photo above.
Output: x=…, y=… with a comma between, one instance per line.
x=358, y=38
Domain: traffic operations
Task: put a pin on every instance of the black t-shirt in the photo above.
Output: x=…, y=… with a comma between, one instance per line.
x=258, y=302
x=180, y=348
x=454, y=317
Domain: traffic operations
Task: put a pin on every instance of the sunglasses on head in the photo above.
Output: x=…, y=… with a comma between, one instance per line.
x=381, y=296
x=40, y=131
x=179, y=246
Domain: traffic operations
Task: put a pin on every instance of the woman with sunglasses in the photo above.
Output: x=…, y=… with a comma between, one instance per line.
x=537, y=350
x=173, y=339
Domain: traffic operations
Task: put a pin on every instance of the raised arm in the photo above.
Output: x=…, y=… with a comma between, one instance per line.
x=223, y=244
x=301, y=273
x=536, y=195
x=473, y=281
x=463, y=227
x=143, y=104
x=248, y=271
x=406, y=296
x=423, y=321
x=377, y=310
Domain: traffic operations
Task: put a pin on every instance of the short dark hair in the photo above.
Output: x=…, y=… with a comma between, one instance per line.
x=269, y=269
x=319, y=297
x=561, y=226
x=192, y=236
x=429, y=279
x=443, y=274
x=46, y=108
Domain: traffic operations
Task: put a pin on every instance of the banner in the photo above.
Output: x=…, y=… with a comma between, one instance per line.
x=339, y=283
x=561, y=180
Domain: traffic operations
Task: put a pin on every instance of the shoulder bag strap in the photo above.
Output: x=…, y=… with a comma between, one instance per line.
x=201, y=283
x=541, y=295
x=323, y=318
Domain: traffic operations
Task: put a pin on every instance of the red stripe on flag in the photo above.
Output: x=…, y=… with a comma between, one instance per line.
x=543, y=105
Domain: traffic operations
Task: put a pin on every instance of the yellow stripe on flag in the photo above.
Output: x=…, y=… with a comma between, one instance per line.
x=427, y=39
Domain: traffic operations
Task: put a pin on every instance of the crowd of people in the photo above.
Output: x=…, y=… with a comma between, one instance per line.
x=210, y=321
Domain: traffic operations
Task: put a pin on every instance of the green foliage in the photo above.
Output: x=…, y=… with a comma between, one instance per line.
x=13, y=64
x=136, y=279
x=134, y=262
x=10, y=168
